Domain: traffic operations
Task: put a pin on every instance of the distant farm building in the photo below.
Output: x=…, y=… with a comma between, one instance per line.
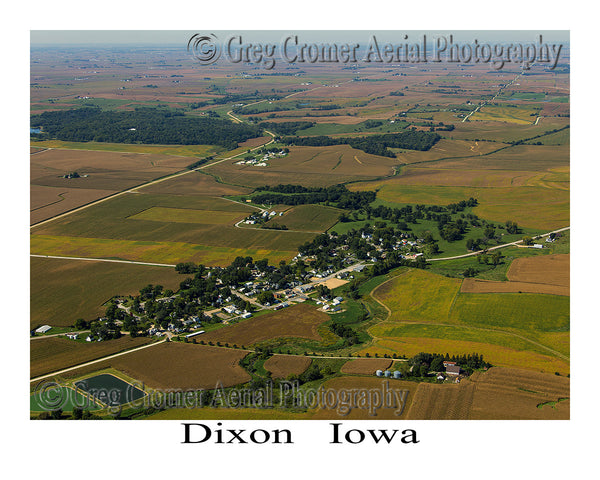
x=43, y=329
x=190, y=335
x=453, y=370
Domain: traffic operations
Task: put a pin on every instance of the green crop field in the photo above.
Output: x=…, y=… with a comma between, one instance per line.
x=418, y=295
x=310, y=218
x=424, y=304
x=184, y=215
x=107, y=229
x=519, y=311
x=521, y=115
x=549, y=207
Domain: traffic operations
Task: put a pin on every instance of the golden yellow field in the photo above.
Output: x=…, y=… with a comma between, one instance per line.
x=494, y=353
x=188, y=215
x=153, y=252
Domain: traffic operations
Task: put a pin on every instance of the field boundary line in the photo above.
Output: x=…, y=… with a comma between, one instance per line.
x=147, y=184
x=104, y=260
x=109, y=357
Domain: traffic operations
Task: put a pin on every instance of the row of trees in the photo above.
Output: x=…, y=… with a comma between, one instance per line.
x=373, y=144
x=286, y=128
x=337, y=195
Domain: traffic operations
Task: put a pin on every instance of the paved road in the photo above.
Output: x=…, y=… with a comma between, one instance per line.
x=153, y=182
x=496, y=247
x=493, y=98
x=95, y=361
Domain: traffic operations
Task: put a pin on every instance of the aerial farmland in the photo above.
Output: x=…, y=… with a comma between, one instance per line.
x=232, y=231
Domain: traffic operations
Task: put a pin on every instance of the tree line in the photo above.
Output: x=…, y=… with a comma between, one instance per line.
x=373, y=144
x=337, y=195
x=286, y=128
x=143, y=125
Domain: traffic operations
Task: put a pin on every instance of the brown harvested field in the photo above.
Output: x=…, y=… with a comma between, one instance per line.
x=195, y=183
x=183, y=365
x=47, y=202
x=442, y=402
x=542, y=274
x=255, y=142
x=473, y=285
x=310, y=166
x=547, y=269
x=297, y=321
x=511, y=394
x=56, y=353
x=365, y=366
x=519, y=158
x=497, y=394
x=455, y=177
x=334, y=408
x=61, y=290
x=450, y=148
x=281, y=366
x=105, y=170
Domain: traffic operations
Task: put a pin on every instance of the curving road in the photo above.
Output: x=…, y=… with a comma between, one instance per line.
x=516, y=243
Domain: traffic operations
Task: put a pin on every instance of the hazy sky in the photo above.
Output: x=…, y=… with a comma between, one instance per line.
x=169, y=37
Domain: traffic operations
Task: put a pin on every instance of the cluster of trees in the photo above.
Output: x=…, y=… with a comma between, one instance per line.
x=198, y=163
x=373, y=144
x=286, y=128
x=512, y=227
x=107, y=329
x=337, y=195
x=265, y=297
x=143, y=125
x=323, y=291
x=274, y=226
x=349, y=335
x=452, y=230
x=423, y=363
x=312, y=373
x=332, y=106
x=232, y=98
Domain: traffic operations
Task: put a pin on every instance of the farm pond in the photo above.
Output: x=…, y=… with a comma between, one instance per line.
x=110, y=390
